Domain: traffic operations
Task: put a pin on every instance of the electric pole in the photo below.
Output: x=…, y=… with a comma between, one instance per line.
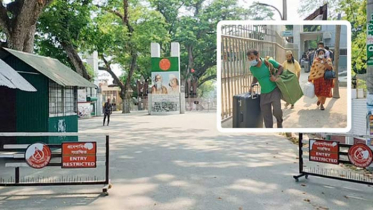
x=336, y=60
x=284, y=10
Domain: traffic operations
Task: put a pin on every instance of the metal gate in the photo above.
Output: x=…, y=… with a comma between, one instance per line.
x=236, y=40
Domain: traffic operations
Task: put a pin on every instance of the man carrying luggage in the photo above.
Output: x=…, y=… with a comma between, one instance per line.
x=270, y=93
x=292, y=65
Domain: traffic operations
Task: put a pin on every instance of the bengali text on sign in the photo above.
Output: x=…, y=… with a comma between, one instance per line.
x=324, y=151
x=79, y=155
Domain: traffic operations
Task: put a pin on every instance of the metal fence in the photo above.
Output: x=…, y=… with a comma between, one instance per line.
x=236, y=40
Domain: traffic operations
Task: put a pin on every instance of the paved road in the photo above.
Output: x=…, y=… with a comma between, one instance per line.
x=307, y=115
x=179, y=162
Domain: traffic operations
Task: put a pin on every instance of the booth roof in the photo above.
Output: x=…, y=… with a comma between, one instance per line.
x=53, y=69
x=11, y=79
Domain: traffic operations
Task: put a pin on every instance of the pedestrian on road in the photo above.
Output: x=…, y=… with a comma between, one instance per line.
x=323, y=87
x=108, y=110
x=292, y=65
x=270, y=93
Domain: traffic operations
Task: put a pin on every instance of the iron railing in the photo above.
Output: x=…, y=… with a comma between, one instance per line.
x=236, y=40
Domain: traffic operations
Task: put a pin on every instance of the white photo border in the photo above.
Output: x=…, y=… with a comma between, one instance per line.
x=278, y=130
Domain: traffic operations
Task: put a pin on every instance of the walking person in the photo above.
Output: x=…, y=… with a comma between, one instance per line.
x=270, y=94
x=323, y=87
x=292, y=65
x=330, y=53
x=108, y=110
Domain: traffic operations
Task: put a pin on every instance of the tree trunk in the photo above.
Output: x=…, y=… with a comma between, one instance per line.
x=190, y=58
x=336, y=60
x=20, y=28
x=127, y=84
x=75, y=59
x=30, y=39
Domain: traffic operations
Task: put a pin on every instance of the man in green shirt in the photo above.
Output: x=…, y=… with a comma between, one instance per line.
x=270, y=93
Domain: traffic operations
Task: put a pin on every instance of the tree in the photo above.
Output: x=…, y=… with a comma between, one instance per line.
x=122, y=35
x=60, y=30
x=355, y=12
x=18, y=22
x=259, y=12
x=196, y=31
x=307, y=7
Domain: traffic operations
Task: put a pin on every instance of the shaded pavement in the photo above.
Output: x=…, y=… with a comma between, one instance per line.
x=182, y=162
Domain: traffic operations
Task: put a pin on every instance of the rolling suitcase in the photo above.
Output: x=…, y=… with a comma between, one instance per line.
x=246, y=111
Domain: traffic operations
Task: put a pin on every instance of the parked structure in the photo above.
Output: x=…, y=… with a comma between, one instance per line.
x=52, y=108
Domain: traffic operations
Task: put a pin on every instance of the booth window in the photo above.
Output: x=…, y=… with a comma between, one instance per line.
x=62, y=100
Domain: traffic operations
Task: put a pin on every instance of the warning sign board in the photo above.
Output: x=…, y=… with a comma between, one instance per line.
x=38, y=155
x=324, y=151
x=79, y=155
x=360, y=155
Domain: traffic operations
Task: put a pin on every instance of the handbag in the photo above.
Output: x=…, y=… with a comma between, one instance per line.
x=329, y=74
x=287, y=83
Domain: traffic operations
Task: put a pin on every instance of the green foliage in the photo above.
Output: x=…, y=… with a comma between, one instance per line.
x=260, y=12
x=207, y=89
x=90, y=71
x=307, y=7
x=196, y=29
x=311, y=28
x=355, y=12
x=62, y=21
x=47, y=46
x=111, y=38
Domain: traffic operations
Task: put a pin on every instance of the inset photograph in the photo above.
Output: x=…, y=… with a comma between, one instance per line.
x=288, y=76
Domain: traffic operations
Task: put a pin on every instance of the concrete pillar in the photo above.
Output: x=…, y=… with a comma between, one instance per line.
x=155, y=50
x=182, y=100
x=175, y=52
x=297, y=29
x=92, y=60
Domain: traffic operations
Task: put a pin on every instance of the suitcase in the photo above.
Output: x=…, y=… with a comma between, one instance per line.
x=246, y=111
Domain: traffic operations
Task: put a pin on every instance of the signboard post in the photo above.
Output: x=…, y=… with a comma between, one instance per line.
x=165, y=90
x=370, y=42
x=324, y=151
x=79, y=155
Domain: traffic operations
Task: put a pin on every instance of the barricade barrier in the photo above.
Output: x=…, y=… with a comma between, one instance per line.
x=67, y=155
x=335, y=160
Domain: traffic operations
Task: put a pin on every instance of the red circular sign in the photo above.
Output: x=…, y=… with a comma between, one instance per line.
x=38, y=155
x=165, y=64
x=360, y=155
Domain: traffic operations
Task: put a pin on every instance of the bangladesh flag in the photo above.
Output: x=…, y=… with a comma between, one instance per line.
x=165, y=64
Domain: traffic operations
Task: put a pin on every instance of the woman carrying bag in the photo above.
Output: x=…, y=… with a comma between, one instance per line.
x=322, y=76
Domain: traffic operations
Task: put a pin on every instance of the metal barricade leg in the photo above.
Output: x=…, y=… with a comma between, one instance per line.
x=301, y=173
x=108, y=185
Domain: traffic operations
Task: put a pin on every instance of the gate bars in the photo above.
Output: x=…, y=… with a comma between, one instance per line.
x=328, y=173
x=67, y=181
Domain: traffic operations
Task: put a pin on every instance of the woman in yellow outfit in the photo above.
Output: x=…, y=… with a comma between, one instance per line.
x=292, y=65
